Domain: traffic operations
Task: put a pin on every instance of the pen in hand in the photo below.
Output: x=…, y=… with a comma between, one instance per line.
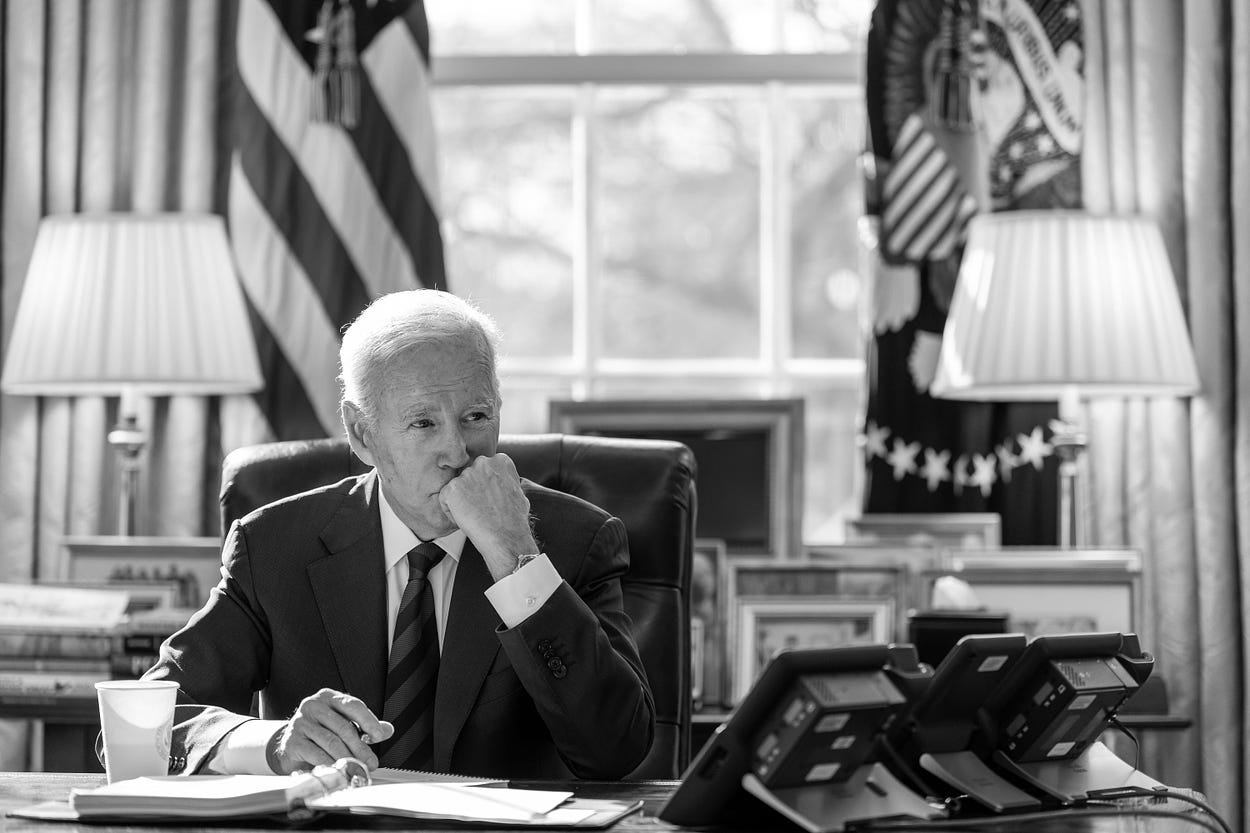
x=367, y=738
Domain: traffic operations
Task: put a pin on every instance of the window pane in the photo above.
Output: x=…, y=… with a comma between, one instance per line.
x=825, y=133
x=525, y=407
x=677, y=215
x=507, y=208
x=500, y=27
x=683, y=26
x=825, y=25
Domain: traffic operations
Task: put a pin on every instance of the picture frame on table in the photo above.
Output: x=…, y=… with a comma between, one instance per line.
x=192, y=565
x=769, y=625
x=974, y=530
x=1054, y=590
x=813, y=576
x=913, y=562
x=823, y=585
x=1110, y=559
x=707, y=620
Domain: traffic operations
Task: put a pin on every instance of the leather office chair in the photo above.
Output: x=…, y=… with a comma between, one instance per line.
x=648, y=484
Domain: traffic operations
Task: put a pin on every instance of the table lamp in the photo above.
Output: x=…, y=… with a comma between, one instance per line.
x=1059, y=305
x=128, y=305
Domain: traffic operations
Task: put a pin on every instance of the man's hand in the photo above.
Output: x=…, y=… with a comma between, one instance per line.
x=486, y=501
x=327, y=726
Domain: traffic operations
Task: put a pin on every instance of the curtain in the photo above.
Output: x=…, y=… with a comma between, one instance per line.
x=1168, y=124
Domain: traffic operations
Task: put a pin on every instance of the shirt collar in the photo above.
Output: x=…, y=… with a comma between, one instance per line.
x=398, y=539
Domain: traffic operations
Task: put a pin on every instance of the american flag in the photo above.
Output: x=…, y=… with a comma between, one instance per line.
x=333, y=187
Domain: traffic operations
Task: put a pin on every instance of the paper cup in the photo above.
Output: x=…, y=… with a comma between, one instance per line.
x=137, y=717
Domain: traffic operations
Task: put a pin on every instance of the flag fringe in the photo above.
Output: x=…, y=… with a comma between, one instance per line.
x=336, y=74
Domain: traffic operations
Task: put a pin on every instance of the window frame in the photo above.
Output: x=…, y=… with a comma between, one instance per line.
x=778, y=75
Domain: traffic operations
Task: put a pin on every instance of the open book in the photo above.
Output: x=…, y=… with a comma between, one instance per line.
x=345, y=787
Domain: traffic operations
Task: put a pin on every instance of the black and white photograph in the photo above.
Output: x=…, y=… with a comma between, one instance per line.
x=488, y=388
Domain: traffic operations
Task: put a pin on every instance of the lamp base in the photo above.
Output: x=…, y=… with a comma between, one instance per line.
x=1069, y=442
x=129, y=439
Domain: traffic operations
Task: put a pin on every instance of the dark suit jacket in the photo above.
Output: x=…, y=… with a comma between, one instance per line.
x=302, y=605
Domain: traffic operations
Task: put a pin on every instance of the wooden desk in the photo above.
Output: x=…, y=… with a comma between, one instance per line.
x=18, y=789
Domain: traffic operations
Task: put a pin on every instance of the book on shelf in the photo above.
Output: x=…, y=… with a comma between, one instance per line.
x=138, y=643
x=80, y=643
x=77, y=665
x=51, y=683
x=346, y=787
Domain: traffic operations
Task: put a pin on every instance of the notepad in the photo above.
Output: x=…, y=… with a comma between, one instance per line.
x=342, y=788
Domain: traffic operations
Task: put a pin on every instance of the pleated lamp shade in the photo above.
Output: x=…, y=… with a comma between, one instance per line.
x=1052, y=304
x=137, y=303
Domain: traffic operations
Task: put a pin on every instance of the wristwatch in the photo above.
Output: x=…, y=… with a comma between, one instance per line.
x=522, y=560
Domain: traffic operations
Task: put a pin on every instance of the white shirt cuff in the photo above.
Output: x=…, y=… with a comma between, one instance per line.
x=519, y=594
x=242, y=750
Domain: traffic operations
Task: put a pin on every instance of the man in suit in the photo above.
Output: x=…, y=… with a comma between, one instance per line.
x=536, y=674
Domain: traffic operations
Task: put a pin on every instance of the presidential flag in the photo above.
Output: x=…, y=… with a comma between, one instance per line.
x=333, y=185
x=971, y=107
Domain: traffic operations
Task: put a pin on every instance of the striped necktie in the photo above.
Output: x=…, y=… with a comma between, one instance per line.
x=413, y=669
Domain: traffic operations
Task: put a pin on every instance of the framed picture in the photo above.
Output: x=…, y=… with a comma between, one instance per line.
x=698, y=644
x=770, y=625
x=707, y=621
x=752, y=581
x=1054, y=590
x=1112, y=559
x=749, y=454
x=191, y=564
x=912, y=563
x=937, y=529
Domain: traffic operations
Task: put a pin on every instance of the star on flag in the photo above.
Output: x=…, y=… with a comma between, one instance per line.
x=1034, y=448
x=1006, y=461
x=982, y=471
x=874, y=440
x=902, y=458
x=936, y=468
x=983, y=474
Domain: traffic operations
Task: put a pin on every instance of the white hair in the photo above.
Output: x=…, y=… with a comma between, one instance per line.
x=396, y=322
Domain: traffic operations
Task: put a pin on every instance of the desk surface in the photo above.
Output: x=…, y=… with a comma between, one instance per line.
x=18, y=789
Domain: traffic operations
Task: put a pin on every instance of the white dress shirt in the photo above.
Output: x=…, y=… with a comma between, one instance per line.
x=514, y=597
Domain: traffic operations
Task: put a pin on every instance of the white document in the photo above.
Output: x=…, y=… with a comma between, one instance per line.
x=444, y=801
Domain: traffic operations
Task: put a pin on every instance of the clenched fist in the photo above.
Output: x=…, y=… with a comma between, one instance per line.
x=486, y=501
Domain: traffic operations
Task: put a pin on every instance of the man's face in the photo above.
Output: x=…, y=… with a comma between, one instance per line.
x=437, y=412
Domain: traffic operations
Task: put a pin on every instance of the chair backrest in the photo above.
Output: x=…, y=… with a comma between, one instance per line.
x=648, y=484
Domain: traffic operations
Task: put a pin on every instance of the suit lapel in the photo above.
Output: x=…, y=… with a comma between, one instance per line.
x=350, y=588
x=469, y=648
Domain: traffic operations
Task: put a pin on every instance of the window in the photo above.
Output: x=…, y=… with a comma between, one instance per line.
x=660, y=199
